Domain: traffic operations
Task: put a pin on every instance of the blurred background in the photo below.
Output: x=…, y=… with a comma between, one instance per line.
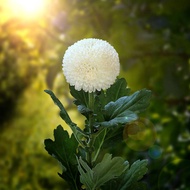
x=153, y=42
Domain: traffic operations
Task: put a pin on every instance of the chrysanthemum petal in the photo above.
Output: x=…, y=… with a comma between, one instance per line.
x=91, y=64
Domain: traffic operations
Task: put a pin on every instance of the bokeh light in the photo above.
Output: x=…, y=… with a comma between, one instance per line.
x=139, y=135
x=155, y=152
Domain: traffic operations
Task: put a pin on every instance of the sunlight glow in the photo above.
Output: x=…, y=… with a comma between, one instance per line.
x=27, y=7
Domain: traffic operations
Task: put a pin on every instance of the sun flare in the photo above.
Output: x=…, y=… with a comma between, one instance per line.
x=27, y=7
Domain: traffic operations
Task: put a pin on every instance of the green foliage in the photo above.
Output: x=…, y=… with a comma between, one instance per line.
x=81, y=97
x=122, y=118
x=137, y=170
x=137, y=103
x=104, y=171
x=130, y=178
x=64, y=150
x=108, y=115
x=117, y=90
x=89, y=148
x=64, y=115
x=98, y=141
x=122, y=110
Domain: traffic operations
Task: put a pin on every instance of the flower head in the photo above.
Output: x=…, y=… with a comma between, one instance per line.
x=91, y=64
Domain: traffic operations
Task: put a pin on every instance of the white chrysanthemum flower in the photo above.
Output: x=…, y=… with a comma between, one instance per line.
x=91, y=64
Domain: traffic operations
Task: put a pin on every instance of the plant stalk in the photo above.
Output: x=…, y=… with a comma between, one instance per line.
x=90, y=127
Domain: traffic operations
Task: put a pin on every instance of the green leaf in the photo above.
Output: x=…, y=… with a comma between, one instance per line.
x=124, y=117
x=63, y=113
x=114, y=135
x=137, y=103
x=117, y=90
x=137, y=170
x=104, y=171
x=80, y=96
x=84, y=110
x=81, y=100
x=78, y=133
x=63, y=149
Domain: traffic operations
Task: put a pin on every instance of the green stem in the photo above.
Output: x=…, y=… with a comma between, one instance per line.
x=90, y=127
x=91, y=107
